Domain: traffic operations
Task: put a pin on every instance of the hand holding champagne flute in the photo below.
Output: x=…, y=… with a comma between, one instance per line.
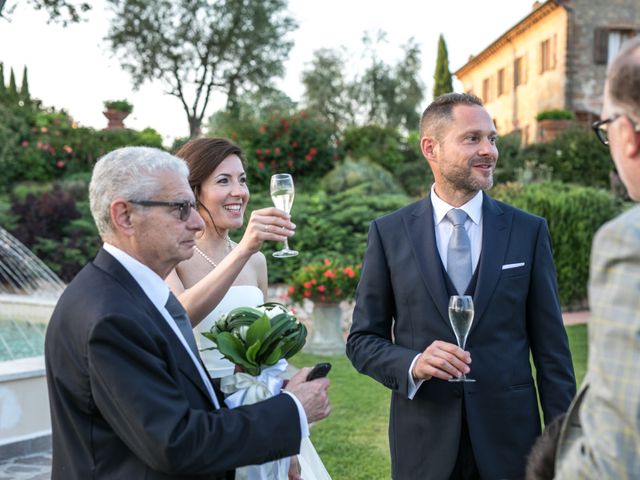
x=282, y=194
x=461, y=318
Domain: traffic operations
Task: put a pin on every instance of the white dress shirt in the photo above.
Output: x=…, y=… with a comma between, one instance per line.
x=443, y=231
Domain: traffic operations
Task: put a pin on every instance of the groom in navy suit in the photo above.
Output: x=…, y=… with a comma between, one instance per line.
x=401, y=335
x=129, y=395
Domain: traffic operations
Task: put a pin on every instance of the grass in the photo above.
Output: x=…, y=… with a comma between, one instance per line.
x=352, y=442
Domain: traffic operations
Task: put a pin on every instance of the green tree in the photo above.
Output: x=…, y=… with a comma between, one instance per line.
x=3, y=88
x=12, y=92
x=251, y=109
x=442, y=75
x=384, y=95
x=327, y=91
x=197, y=47
x=24, y=86
x=62, y=11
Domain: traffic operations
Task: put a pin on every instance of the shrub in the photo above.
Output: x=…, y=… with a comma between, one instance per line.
x=381, y=145
x=351, y=173
x=575, y=156
x=325, y=281
x=414, y=173
x=510, y=162
x=118, y=105
x=56, y=229
x=299, y=144
x=573, y=213
x=555, y=114
x=331, y=226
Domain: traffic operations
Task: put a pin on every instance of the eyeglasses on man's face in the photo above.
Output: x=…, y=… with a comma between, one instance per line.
x=602, y=127
x=184, y=208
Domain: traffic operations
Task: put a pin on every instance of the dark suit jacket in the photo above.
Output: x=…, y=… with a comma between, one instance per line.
x=401, y=308
x=127, y=402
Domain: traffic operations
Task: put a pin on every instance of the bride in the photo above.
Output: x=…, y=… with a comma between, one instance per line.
x=222, y=275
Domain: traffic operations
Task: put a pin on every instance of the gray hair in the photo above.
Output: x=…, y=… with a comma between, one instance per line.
x=129, y=173
x=624, y=78
x=439, y=113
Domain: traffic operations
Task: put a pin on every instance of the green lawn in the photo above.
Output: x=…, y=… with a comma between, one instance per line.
x=353, y=440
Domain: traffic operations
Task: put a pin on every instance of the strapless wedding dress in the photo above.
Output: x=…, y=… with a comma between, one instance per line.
x=237, y=296
x=250, y=296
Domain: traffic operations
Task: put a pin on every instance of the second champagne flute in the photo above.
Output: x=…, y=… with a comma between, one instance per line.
x=282, y=193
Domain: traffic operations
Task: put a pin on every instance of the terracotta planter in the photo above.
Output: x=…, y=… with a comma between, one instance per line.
x=116, y=118
x=326, y=335
x=550, y=129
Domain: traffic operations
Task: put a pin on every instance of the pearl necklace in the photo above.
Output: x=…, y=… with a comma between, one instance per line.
x=207, y=258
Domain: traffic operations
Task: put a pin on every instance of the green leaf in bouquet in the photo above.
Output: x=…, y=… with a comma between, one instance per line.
x=252, y=352
x=211, y=335
x=242, y=316
x=232, y=349
x=279, y=325
x=294, y=342
x=258, y=330
x=273, y=357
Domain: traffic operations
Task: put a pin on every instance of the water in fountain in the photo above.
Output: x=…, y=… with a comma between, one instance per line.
x=28, y=293
x=21, y=272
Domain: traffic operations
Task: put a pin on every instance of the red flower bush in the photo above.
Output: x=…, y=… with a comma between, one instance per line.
x=325, y=281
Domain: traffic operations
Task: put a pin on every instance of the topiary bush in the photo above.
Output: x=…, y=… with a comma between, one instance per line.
x=574, y=213
x=351, y=173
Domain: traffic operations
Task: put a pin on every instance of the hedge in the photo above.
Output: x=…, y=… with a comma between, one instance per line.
x=574, y=213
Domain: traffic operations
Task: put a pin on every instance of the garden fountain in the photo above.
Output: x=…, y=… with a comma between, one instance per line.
x=28, y=293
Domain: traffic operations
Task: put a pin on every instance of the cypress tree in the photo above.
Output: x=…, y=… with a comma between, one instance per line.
x=13, y=88
x=442, y=75
x=3, y=88
x=24, y=87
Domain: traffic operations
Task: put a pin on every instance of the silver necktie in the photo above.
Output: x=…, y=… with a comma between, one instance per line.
x=459, y=251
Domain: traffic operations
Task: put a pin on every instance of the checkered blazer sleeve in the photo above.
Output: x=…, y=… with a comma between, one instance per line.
x=610, y=413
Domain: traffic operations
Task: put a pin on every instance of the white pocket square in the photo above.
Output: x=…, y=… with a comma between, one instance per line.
x=509, y=266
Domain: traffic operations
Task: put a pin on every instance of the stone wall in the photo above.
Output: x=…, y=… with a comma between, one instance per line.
x=575, y=78
x=587, y=79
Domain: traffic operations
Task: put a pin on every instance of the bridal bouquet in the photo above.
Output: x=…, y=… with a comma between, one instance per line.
x=257, y=337
x=258, y=340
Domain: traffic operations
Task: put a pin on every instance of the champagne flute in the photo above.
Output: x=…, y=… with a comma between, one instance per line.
x=461, y=318
x=282, y=193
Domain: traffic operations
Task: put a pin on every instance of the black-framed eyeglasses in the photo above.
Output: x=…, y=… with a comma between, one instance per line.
x=602, y=127
x=183, y=207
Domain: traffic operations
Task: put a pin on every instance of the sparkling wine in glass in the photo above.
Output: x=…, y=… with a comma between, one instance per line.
x=282, y=193
x=461, y=318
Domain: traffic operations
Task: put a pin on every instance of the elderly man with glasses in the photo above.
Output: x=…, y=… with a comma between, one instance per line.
x=600, y=438
x=130, y=397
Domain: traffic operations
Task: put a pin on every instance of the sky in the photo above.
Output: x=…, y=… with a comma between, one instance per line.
x=72, y=68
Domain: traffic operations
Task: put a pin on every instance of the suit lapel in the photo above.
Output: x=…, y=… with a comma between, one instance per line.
x=495, y=234
x=110, y=265
x=421, y=232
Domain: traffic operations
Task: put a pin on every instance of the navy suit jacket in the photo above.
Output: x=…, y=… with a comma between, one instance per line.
x=127, y=402
x=401, y=308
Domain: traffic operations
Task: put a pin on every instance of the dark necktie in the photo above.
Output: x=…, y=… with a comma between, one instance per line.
x=177, y=311
x=459, y=251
